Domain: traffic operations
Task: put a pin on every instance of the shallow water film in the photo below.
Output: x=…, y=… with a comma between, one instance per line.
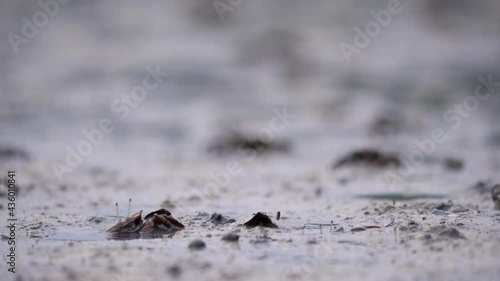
x=250, y=140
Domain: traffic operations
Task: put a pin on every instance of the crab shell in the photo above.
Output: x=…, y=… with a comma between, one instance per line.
x=129, y=225
x=160, y=222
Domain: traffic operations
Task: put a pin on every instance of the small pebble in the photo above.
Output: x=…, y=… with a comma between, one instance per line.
x=96, y=220
x=219, y=219
x=454, y=164
x=231, y=237
x=174, y=271
x=197, y=245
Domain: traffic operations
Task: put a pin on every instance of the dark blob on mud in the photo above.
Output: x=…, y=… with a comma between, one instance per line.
x=495, y=194
x=260, y=219
x=197, y=245
x=238, y=143
x=219, y=219
x=10, y=153
x=369, y=157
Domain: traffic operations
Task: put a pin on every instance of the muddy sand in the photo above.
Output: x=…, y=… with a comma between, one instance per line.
x=61, y=228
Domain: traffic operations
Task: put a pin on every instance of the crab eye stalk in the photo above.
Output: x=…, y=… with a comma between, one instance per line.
x=117, y=213
x=129, y=205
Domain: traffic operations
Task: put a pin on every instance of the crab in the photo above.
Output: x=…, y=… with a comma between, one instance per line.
x=157, y=222
x=131, y=224
x=160, y=220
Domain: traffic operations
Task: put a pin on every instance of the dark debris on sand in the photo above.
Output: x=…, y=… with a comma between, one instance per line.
x=197, y=245
x=482, y=187
x=445, y=207
x=410, y=226
x=369, y=157
x=495, y=195
x=231, y=237
x=96, y=220
x=454, y=164
x=219, y=219
x=487, y=187
x=385, y=126
x=237, y=143
x=260, y=219
x=11, y=153
x=444, y=232
x=174, y=271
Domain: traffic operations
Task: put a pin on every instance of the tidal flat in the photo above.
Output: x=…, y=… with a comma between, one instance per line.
x=381, y=167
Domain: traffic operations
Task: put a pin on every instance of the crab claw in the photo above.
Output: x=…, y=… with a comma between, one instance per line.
x=131, y=224
x=164, y=219
x=175, y=222
x=149, y=226
x=160, y=220
x=166, y=222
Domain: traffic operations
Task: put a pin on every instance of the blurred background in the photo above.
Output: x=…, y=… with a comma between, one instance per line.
x=229, y=66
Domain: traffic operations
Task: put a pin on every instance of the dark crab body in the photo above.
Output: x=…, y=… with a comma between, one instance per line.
x=131, y=224
x=160, y=221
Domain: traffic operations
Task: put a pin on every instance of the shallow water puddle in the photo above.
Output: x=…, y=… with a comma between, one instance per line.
x=101, y=236
x=80, y=236
x=401, y=196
